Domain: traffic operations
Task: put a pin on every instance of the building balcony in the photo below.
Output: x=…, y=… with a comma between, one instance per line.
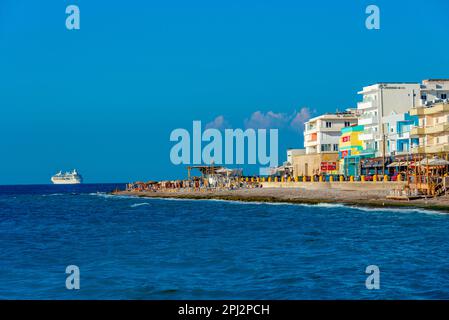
x=312, y=143
x=439, y=128
x=434, y=109
x=437, y=148
x=309, y=130
x=366, y=105
x=436, y=129
x=368, y=120
x=419, y=149
x=403, y=135
x=417, y=131
x=366, y=136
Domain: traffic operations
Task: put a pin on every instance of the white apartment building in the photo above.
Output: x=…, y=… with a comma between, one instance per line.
x=384, y=99
x=433, y=90
x=322, y=133
x=380, y=100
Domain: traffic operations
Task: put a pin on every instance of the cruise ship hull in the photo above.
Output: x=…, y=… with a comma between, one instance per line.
x=58, y=181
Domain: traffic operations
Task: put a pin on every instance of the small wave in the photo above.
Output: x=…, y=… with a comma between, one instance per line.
x=376, y=209
x=135, y=205
x=52, y=194
x=324, y=205
x=310, y=205
x=399, y=210
x=329, y=205
x=107, y=195
x=373, y=209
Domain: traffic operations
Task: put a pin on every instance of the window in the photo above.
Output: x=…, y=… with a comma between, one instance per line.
x=443, y=96
x=347, y=123
x=423, y=96
x=328, y=124
x=335, y=147
x=325, y=147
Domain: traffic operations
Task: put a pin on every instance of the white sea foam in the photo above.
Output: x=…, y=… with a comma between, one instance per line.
x=399, y=210
x=112, y=196
x=374, y=209
x=320, y=205
x=135, y=205
x=317, y=205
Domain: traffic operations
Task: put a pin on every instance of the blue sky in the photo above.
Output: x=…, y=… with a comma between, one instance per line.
x=105, y=98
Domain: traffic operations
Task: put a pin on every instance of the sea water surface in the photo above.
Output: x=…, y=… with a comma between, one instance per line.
x=135, y=248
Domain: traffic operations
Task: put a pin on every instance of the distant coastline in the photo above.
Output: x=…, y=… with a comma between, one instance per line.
x=294, y=195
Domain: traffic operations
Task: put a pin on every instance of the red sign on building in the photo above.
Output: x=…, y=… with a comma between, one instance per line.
x=328, y=166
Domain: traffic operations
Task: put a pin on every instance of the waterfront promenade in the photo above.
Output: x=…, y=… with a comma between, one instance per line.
x=371, y=194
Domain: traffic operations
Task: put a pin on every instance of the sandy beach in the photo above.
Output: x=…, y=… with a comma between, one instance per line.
x=357, y=196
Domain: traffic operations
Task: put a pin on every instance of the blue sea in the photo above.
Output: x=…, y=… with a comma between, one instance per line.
x=135, y=248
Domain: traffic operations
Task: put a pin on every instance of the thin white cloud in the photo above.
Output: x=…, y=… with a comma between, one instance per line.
x=273, y=120
x=261, y=120
x=302, y=116
x=219, y=123
x=268, y=120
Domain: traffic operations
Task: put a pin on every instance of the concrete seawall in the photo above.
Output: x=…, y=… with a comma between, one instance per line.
x=356, y=185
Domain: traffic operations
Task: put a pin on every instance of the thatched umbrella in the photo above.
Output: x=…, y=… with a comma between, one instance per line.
x=434, y=162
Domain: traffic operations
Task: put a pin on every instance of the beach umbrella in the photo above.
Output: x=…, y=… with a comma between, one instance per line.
x=434, y=162
x=394, y=164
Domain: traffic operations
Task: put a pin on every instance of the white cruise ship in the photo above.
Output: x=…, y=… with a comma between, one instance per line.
x=67, y=178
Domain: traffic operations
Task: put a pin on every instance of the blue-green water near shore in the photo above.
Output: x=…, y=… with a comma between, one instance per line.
x=135, y=248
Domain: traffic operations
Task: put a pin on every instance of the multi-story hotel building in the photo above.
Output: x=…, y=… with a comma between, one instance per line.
x=433, y=128
x=380, y=100
x=433, y=112
x=322, y=133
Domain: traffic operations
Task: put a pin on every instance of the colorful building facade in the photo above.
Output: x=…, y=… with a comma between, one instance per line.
x=350, y=143
x=351, y=150
x=399, y=141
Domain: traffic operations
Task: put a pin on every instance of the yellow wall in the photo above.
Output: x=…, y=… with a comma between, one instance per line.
x=349, y=141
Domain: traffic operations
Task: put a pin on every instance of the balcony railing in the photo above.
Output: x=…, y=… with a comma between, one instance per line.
x=439, y=128
x=367, y=104
x=368, y=119
x=366, y=136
